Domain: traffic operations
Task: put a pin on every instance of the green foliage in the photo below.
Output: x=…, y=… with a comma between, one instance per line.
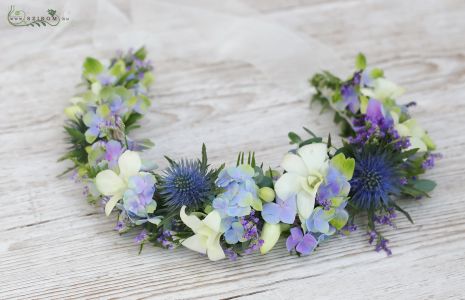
x=77, y=153
x=92, y=67
x=376, y=73
x=130, y=121
x=344, y=165
x=141, y=53
x=296, y=139
x=360, y=62
x=250, y=159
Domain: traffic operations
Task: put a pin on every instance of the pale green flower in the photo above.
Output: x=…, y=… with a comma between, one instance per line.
x=382, y=89
x=206, y=239
x=416, y=134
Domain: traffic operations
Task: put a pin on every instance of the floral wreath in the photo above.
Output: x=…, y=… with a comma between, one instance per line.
x=230, y=211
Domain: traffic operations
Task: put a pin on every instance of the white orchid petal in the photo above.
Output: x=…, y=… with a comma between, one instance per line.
x=395, y=117
x=415, y=129
x=294, y=164
x=192, y=221
x=305, y=204
x=196, y=243
x=214, y=250
x=416, y=142
x=287, y=185
x=109, y=183
x=402, y=130
x=129, y=164
x=213, y=221
x=385, y=89
x=112, y=203
x=367, y=92
x=315, y=157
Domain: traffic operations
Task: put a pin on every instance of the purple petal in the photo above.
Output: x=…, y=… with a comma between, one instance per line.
x=374, y=110
x=291, y=243
x=288, y=211
x=307, y=244
x=113, y=150
x=350, y=97
x=297, y=233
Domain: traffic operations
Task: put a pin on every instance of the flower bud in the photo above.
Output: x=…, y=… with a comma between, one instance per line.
x=270, y=235
x=267, y=194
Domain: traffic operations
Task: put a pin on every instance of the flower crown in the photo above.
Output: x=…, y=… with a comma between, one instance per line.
x=235, y=210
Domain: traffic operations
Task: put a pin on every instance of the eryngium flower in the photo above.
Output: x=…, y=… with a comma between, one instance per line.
x=377, y=175
x=186, y=183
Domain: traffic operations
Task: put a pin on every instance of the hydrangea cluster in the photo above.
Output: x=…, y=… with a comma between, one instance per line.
x=245, y=208
x=390, y=148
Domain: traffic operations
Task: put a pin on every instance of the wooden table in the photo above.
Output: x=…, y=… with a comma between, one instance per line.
x=54, y=245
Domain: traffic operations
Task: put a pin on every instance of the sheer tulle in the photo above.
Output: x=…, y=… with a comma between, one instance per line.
x=199, y=31
x=212, y=31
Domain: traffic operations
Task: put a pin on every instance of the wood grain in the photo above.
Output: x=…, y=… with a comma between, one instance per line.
x=54, y=245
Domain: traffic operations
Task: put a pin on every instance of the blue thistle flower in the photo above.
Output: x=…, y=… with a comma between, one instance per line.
x=188, y=182
x=377, y=175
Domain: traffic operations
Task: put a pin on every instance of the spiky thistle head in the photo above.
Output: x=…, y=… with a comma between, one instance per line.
x=188, y=182
x=378, y=175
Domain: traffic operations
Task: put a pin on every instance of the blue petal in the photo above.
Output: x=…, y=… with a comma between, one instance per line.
x=271, y=213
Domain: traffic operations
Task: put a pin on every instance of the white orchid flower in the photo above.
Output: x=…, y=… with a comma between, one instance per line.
x=305, y=172
x=383, y=89
x=114, y=185
x=207, y=234
x=416, y=134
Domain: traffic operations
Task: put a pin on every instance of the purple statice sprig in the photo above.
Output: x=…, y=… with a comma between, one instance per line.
x=141, y=238
x=375, y=126
x=387, y=218
x=165, y=239
x=251, y=233
x=243, y=237
x=381, y=242
x=430, y=160
x=384, y=218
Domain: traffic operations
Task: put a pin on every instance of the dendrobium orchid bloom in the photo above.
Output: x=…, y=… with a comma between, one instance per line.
x=417, y=135
x=305, y=171
x=382, y=89
x=206, y=239
x=114, y=185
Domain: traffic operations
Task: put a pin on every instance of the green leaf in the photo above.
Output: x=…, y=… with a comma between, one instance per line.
x=340, y=219
x=360, y=62
x=294, y=137
x=424, y=185
x=412, y=191
x=377, y=73
x=311, y=141
x=344, y=165
x=118, y=69
x=92, y=66
x=310, y=132
x=141, y=53
x=408, y=153
x=407, y=215
x=204, y=156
